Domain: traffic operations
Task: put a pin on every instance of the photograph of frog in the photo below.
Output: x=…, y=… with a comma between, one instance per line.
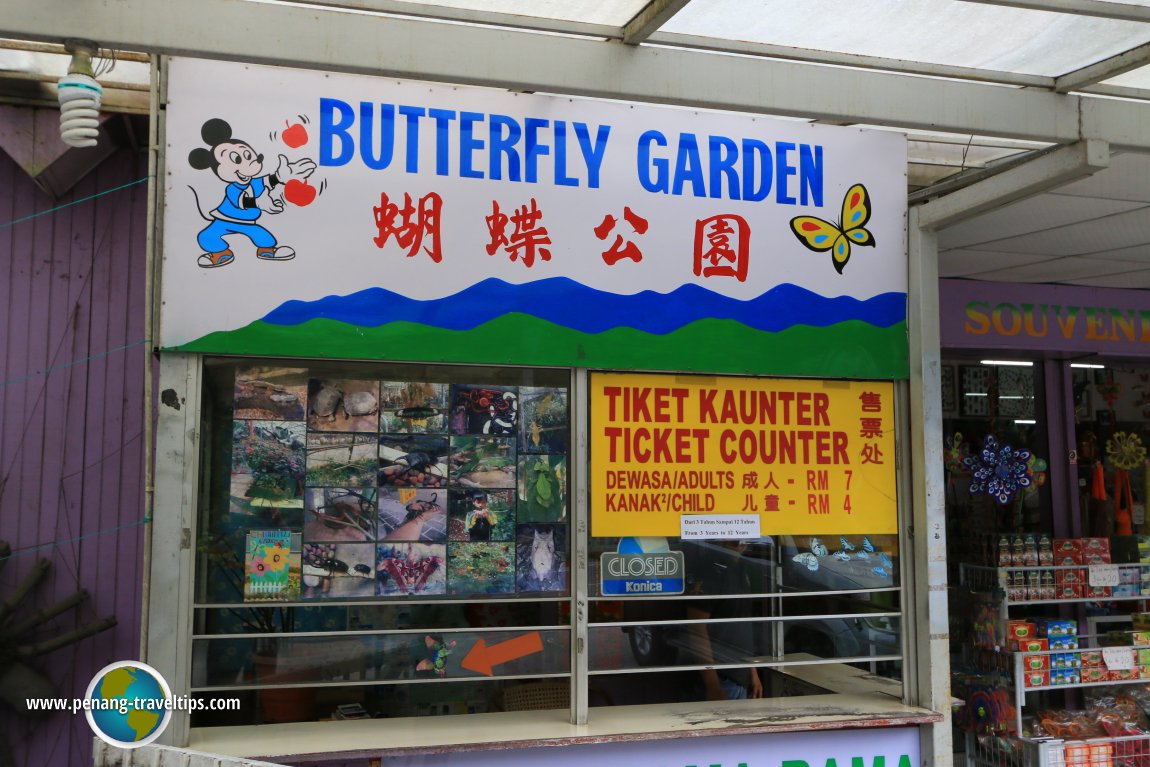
x=413, y=407
x=483, y=462
x=411, y=569
x=267, y=479
x=481, y=568
x=342, y=405
x=339, y=514
x=481, y=515
x=338, y=570
x=341, y=459
x=268, y=393
x=413, y=460
x=542, y=420
x=542, y=488
x=411, y=514
x=541, y=558
x=492, y=410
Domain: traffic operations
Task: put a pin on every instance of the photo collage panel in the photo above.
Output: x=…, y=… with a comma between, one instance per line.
x=405, y=488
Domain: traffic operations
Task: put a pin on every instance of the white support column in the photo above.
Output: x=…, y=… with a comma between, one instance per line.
x=578, y=455
x=173, y=530
x=928, y=496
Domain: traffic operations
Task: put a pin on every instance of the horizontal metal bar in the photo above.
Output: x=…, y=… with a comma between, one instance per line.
x=336, y=635
x=369, y=602
x=752, y=619
x=374, y=682
x=750, y=662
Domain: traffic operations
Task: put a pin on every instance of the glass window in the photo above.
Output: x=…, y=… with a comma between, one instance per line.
x=383, y=540
x=394, y=540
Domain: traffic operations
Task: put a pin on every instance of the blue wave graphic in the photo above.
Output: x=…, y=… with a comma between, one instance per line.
x=573, y=305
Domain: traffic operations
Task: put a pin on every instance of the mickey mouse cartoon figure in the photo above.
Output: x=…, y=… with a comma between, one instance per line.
x=247, y=196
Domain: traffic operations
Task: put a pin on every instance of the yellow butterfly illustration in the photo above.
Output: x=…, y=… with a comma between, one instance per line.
x=819, y=235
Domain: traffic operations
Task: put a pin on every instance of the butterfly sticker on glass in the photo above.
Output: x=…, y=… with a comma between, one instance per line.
x=821, y=236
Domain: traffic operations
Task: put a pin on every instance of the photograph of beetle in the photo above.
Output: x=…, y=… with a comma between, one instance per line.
x=338, y=570
x=413, y=460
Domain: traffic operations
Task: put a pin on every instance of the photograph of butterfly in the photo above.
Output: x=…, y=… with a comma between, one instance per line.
x=820, y=236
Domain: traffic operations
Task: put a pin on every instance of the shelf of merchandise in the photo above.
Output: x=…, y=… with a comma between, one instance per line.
x=995, y=751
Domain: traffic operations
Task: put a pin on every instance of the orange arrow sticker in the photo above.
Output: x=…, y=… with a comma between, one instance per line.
x=480, y=658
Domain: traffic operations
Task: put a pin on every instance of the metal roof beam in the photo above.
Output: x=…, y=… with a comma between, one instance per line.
x=835, y=58
x=1103, y=70
x=1101, y=8
x=655, y=14
x=1051, y=169
x=512, y=59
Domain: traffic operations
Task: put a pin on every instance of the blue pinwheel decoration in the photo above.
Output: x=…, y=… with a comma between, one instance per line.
x=998, y=470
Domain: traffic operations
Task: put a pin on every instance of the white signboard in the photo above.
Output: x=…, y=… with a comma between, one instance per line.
x=719, y=527
x=890, y=747
x=316, y=214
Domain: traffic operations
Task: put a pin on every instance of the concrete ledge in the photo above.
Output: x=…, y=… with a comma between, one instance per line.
x=374, y=738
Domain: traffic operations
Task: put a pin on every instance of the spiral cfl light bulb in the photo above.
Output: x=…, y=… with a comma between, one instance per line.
x=79, y=109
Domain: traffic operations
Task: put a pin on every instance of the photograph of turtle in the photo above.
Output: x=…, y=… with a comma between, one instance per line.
x=270, y=393
x=542, y=420
x=341, y=459
x=481, y=515
x=342, y=405
x=412, y=407
x=267, y=466
x=410, y=514
x=542, y=488
x=481, y=409
x=272, y=566
x=481, y=568
x=333, y=514
x=411, y=569
x=483, y=461
x=338, y=570
x=413, y=460
x=541, y=558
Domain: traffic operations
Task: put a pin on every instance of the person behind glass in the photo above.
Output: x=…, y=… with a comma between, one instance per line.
x=721, y=573
x=479, y=520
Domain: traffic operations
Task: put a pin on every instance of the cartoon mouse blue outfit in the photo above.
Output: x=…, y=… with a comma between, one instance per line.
x=237, y=214
x=240, y=167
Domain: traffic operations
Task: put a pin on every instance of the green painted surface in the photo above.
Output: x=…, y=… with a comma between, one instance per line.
x=847, y=350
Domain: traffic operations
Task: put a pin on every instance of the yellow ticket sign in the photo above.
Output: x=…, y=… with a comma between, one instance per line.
x=805, y=457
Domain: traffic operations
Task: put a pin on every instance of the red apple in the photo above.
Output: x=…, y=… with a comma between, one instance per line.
x=299, y=192
x=295, y=136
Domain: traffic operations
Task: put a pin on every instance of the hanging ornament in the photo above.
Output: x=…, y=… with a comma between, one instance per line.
x=954, y=450
x=1125, y=452
x=1036, y=470
x=1000, y=471
x=1098, y=483
x=1109, y=389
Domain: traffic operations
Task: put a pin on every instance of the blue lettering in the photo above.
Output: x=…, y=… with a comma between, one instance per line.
x=689, y=166
x=593, y=155
x=783, y=169
x=646, y=163
x=373, y=160
x=561, y=177
x=504, y=145
x=332, y=128
x=412, y=114
x=442, y=139
x=724, y=152
x=468, y=143
x=532, y=147
x=811, y=174
x=756, y=156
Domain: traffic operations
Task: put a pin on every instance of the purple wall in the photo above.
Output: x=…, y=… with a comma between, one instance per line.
x=1058, y=318
x=71, y=424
